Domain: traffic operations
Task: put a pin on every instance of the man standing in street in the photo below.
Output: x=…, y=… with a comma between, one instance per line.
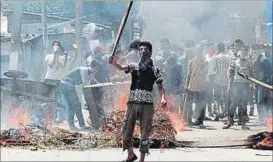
x=196, y=84
x=239, y=87
x=77, y=76
x=222, y=61
x=140, y=102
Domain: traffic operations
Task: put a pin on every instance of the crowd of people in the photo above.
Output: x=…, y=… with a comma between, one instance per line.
x=206, y=74
x=202, y=77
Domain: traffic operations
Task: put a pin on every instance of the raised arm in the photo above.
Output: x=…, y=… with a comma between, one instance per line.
x=74, y=57
x=113, y=61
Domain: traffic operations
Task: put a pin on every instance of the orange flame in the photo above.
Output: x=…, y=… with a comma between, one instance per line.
x=121, y=103
x=172, y=111
x=179, y=124
x=18, y=115
x=267, y=141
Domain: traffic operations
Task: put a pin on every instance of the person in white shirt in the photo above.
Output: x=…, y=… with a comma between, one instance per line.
x=56, y=62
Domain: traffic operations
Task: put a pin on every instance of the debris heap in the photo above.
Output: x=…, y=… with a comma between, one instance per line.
x=110, y=136
x=163, y=128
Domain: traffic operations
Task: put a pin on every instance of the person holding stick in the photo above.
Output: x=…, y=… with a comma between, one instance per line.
x=140, y=102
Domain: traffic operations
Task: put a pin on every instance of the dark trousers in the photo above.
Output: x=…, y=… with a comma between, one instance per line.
x=221, y=96
x=98, y=97
x=239, y=98
x=200, y=106
x=209, y=97
x=144, y=113
x=252, y=98
x=73, y=104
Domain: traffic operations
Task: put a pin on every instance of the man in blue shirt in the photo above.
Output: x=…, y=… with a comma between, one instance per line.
x=77, y=76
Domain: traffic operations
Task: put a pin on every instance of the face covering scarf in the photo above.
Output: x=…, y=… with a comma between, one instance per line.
x=145, y=60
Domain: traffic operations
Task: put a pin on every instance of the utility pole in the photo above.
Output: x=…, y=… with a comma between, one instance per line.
x=16, y=56
x=44, y=23
x=79, y=16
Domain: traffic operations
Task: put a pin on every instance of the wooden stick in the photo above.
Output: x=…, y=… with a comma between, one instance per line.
x=121, y=26
x=255, y=81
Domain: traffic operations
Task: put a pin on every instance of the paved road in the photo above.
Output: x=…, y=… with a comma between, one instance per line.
x=213, y=135
x=156, y=155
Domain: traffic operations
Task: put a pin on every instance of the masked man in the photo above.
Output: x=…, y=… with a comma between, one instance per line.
x=239, y=87
x=140, y=102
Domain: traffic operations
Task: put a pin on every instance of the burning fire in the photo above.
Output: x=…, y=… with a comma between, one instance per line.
x=172, y=111
x=18, y=115
x=121, y=103
x=179, y=124
x=267, y=141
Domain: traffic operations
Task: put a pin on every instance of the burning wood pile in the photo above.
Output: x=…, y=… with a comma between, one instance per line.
x=57, y=138
x=262, y=141
x=110, y=136
x=163, y=128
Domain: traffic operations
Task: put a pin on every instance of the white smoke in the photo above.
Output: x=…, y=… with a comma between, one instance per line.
x=196, y=20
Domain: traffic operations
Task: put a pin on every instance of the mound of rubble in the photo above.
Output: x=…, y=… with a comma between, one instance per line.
x=110, y=136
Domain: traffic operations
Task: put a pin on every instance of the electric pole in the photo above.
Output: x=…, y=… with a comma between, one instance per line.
x=79, y=16
x=44, y=23
x=16, y=58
